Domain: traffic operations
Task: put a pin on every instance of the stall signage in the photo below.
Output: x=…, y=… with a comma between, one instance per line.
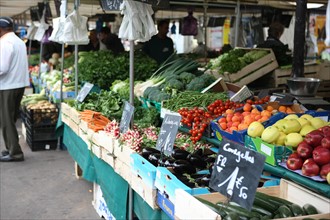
x=84, y=91
x=126, y=117
x=167, y=134
x=236, y=173
x=156, y=3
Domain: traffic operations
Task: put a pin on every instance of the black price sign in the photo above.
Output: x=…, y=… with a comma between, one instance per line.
x=84, y=91
x=126, y=117
x=236, y=173
x=156, y=3
x=110, y=5
x=167, y=133
x=263, y=93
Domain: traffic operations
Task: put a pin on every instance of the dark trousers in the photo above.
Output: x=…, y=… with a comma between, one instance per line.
x=9, y=110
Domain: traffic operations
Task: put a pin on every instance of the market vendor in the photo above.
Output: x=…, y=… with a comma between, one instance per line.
x=160, y=46
x=281, y=51
x=110, y=41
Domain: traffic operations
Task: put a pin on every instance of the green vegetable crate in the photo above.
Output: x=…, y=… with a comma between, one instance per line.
x=253, y=71
x=287, y=190
x=146, y=103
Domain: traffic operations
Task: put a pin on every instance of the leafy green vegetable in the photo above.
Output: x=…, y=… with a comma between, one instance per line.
x=146, y=117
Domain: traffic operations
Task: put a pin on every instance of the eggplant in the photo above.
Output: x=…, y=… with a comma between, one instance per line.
x=179, y=154
x=185, y=180
x=169, y=162
x=183, y=166
x=147, y=151
x=199, y=152
x=209, y=159
x=203, y=181
x=154, y=158
x=197, y=161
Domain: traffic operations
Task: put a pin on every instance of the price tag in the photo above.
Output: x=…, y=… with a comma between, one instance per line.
x=168, y=132
x=126, y=117
x=236, y=173
x=110, y=5
x=84, y=91
x=156, y=3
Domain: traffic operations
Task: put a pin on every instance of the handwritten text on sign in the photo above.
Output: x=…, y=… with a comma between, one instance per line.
x=126, y=117
x=236, y=173
x=168, y=133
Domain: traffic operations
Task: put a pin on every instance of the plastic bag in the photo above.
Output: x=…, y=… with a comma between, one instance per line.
x=189, y=25
x=75, y=29
x=31, y=31
x=57, y=30
x=43, y=27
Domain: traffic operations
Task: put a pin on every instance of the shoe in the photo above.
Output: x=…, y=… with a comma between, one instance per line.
x=4, y=152
x=9, y=158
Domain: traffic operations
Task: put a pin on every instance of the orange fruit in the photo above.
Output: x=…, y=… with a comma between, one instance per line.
x=222, y=120
x=235, y=124
x=229, y=117
x=257, y=117
x=269, y=108
x=223, y=125
x=289, y=110
x=242, y=127
x=229, y=111
x=265, y=113
x=236, y=118
x=263, y=118
x=282, y=109
x=246, y=113
x=256, y=111
x=247, y=107
x=233, y=128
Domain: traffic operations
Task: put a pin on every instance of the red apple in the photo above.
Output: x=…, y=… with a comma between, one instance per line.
x=304, y=150
x=294, y=163
x=325, y=169
x=326, y=130
x=294, y=155
x=310, y=168
x=314, y=138
x=321, y=155
x=325, y=142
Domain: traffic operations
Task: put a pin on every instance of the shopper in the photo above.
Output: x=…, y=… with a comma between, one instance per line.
x=14, y=77
x=110, y=41
x=160, y=46
x=281, y=51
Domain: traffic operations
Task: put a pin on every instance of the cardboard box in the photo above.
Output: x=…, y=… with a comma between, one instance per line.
x=124, y=170
x=166, y=205
x=287, y=190
x=108, y=157
x=99, y=203
x=167, y=183
x=274, y=154
x=147, y=193
x=144, y=170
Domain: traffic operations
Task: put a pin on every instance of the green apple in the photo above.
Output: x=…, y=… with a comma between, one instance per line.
x=306, y=129
x=303, y=121
x=291, y=116
x=307, y=116
x=317, y=123
x=293, y=139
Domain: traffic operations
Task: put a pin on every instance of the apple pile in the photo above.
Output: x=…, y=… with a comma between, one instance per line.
x=313, y=154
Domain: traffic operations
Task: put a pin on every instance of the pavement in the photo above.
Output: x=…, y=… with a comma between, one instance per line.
x=43, y=186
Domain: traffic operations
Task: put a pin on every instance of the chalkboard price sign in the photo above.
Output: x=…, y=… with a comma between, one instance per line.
x=110, y=5
x=168, y=132
x=236, y=173
x=126, y=117
x=84, y=91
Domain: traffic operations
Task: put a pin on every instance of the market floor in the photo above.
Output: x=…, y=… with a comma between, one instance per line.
x=44, y=186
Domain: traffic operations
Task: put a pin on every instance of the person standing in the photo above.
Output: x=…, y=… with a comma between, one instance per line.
x=160, y=46
x=14, y=77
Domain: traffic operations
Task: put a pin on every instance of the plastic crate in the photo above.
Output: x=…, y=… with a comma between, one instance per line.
x=44, y=133
x=42, y=145
x=41, y=117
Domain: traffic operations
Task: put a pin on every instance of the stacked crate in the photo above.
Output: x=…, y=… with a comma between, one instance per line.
x=40, y=126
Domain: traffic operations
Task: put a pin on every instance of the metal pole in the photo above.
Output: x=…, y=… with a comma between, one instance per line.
x=29, y=49
x=205, y=29
x=131, y=100
x=76, y=69
x=40, y=58
x=238, y=20
x=62, y=69
x=299, y=39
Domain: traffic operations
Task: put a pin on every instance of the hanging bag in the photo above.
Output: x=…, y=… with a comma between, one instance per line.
x=31, y=31
x=42, y=28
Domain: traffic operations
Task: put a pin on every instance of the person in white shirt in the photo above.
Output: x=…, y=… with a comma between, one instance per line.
x=14, y=77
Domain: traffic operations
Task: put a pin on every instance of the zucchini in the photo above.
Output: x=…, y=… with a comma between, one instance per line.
x=232, y=216
x=296, y=210
x=274, y=199
x=309, y=209
x=243, y=213
x=212, y=206
x=265, y=203
x=261, y=211
x=284, y=211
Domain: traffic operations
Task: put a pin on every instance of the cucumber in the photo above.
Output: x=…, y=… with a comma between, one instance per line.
x=265, y=203
x=243, y=213
x=212, y=206
x=284, y=211
x=296, y=210
x=274, y=199
x=309, y=209
x=232, y=216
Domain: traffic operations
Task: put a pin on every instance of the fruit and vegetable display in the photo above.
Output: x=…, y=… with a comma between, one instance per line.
x=235, y=60
x=312, y=155
x=264, y=207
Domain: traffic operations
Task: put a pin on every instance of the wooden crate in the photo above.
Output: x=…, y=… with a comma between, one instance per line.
x=254, y=70
x=324, y=72
x=280, y=76
x=324, y=89
x=287, y=190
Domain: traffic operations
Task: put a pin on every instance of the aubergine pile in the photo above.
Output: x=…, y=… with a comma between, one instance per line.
x=193, y=169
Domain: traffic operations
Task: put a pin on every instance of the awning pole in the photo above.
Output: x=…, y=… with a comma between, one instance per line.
x=238, y=21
